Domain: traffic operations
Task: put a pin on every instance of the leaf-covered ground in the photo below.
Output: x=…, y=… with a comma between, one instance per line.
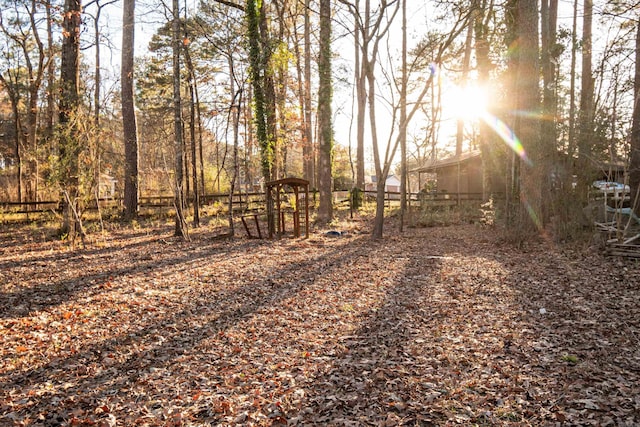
x=439, y=326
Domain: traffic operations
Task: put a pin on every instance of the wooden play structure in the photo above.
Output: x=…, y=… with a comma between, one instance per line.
x=287, y=201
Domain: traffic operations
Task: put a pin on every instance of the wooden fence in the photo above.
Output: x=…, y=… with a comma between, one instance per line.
x=243, y=202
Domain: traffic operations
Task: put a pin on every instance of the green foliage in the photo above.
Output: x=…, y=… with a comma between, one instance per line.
x=257, y=53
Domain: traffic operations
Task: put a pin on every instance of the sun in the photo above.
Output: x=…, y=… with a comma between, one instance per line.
x=467, y=102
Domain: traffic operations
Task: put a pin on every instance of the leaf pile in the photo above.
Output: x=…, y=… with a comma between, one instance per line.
x=442, y=326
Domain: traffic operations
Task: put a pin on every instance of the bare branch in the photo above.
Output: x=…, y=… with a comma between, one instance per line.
x=230, y=4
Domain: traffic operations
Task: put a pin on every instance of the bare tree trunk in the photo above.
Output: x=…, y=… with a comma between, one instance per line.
x=180, y=223
x=549, y=13
x=51, y=78
x=18, y=143
x=97, y=71
x=512, y=162
x=465, y=72
x=460, y=123
x=236, y=108
x=634, y=167
x=403, y=120
x=361, y=35
x=301, y=93
x=96, y=103
x=571, y=149
x=486, y=137
x=36, y=76
x=325, y=143
x=585, y=138
x=234, y=116
x=309, y=151
x=528, y=128
x=192, y=136
x=380, y=176
x=129, y=125
x=68, y=110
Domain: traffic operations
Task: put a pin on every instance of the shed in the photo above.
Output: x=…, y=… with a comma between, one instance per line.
x=469, y=168
x=391, y=185
x=106, y=186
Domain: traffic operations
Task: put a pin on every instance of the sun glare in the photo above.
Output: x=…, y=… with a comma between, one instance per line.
x=469, y=102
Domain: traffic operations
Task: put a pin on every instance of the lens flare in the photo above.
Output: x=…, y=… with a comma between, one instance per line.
x=507, y=135
x=433, y=69
x=533, y=215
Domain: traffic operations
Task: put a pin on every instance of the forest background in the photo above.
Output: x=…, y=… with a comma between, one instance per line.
x=224, y=95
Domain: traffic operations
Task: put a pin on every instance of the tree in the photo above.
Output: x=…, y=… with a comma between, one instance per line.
x=193, y=109
x=258, y=57
x=129, y=125
x=309, y=151
x=403, y=119
x=51, y=79
x=634, y=167
x=527, y=127
x=361, y=42
x=68, y=116
x=370, y=36
x=23, y=83
x=586, y=115
x=176, y=40
x=325, y=140
x=491, y=150
x=549, y=14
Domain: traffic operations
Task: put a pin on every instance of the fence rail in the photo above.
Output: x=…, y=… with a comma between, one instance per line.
x=241, y=201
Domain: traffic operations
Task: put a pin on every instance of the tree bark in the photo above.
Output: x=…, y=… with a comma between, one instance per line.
x=549, y=13
x=486, y=137
x=180, y=222
x=325, y=143
x=403, y=120
x=585, y=137
x=571, y=148
x=68, y=116
x=634, y=168
x=36, y=76
x=528, y=127
x=192, y=135
x=362, y=47
x=129, y=125
x=308, y=150
x=258, y=79
x=51, y=78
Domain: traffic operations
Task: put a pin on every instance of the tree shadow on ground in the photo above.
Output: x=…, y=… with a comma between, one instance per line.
x=435, y=327
x=39, y=283
x=463, y=340
x=116, y=365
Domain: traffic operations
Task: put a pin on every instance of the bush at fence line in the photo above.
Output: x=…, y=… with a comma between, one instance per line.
x=467, y=212
x=355, y=195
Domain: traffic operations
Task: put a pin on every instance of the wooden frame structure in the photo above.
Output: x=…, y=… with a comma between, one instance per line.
x=275, y=212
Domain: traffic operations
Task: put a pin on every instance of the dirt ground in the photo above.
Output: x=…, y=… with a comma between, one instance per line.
x=434, y=326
